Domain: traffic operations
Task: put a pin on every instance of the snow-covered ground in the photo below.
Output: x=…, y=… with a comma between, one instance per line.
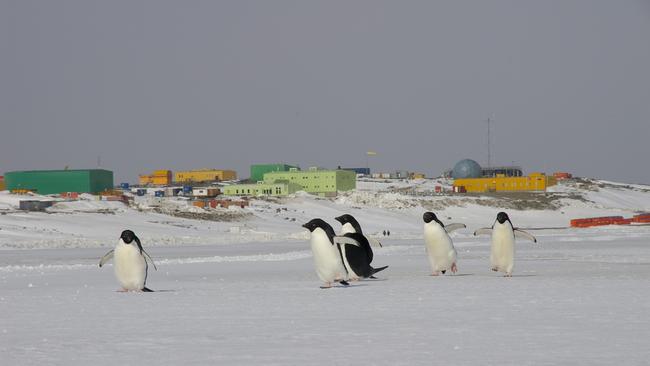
x=245, y=291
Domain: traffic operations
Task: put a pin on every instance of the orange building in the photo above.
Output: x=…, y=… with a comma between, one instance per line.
x=157, y=178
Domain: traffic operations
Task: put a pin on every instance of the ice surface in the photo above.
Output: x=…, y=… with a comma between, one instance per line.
x=569, y=302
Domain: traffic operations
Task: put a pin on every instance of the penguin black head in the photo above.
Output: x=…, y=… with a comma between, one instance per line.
x=315, y=224
x=430, y=216
x=349, y=219
x=503, y=217
x=128, y=236
x=318, y=223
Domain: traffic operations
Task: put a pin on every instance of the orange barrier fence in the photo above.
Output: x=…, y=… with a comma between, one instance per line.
x=609, y=220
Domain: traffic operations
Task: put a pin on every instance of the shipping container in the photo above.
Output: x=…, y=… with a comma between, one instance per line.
x=159, y=194
x=200, y=204
x=206, y=192
x=141, y=192
x=57, y=181
x=124, y=186
x=187, y=190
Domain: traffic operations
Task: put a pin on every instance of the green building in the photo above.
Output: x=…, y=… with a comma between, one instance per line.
x=59, y=181
x=258, y=170
x=316, y=181
x=261, y=189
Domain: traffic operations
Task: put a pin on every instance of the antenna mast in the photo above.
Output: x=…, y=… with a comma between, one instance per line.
x=489, y=160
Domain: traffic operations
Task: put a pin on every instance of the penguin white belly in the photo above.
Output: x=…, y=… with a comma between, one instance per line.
x=347, y=228
x=440, y=249
x=130, y=267
x=502, y=252
x=327, y=259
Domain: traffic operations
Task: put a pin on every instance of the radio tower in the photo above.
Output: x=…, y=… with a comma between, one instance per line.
x=489, y=160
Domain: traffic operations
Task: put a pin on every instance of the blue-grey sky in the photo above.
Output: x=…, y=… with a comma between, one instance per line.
x=190, y=84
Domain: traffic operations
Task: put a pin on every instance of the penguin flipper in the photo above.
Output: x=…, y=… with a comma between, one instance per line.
x=520, y=234
x=346, y=240
x=106, y=257
x=483, y=231
x=147, y=256
x=451, y=227
x=374, y=242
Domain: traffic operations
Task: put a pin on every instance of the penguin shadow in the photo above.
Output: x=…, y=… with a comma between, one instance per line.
x=352, y=285
x=143, y=292
x=523, y=275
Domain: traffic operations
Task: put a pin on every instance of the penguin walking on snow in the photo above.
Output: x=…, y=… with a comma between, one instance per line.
x=328, y=249
x=357, y=259
x=502, y=252
x=440, y=249
x=131, y=265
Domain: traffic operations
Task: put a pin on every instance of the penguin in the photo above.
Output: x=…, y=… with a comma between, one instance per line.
x=131, y=265
x=357, y=259
x=502, y=252
x=439, y=247
x=328, y=255
x=351, y=225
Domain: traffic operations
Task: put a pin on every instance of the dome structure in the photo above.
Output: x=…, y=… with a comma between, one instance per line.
x=466, y=168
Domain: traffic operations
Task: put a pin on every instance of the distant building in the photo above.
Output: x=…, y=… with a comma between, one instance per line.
x=205, y=175
x=157, y=178
x=506, y=171
x=468, y=168
x=359, y=171
x=501, y=183
x=316, y=181
x=2, y=183
x=58, y=181
x=262, y=189
x=258, y=170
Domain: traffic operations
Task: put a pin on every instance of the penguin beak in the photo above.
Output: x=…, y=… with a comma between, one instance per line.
x=306, y=226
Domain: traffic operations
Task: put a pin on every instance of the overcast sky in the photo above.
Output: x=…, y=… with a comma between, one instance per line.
x=191, y=84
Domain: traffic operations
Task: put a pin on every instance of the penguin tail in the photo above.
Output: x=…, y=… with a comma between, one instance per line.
x=344, y=283
x=144, y=289
x=375, y=270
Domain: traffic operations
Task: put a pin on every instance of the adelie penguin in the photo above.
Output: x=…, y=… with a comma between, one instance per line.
x=502, y=253
x=440, y=249
x=131, y=265
x=357, y=259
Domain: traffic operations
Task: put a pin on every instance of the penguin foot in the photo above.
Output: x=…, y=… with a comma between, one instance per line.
x=494, y=269
x=327, y=285
x=454, y=268
x=435, y=274
x=507, y=275
x=344, y=283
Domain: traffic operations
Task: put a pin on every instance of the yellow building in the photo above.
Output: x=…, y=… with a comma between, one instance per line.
x=501, y=183
x=157, y=178
x=205, y=175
